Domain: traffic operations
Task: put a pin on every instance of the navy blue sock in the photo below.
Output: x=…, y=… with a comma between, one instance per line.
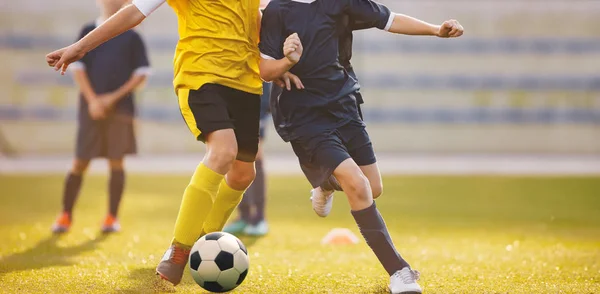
x=375, y=232
x=71, y=191
x=116, y=186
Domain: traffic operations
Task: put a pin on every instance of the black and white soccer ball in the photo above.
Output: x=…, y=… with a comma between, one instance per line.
x=219, y=262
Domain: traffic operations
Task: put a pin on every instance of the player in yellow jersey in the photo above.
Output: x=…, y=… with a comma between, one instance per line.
x=218, y=86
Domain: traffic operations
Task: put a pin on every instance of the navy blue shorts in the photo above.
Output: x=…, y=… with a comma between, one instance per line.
x=264, y=107
x=111, y=138
x=320, y=155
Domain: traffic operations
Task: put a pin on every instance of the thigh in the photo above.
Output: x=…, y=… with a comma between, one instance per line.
x=90, y=139
x=244, y=109
x=372, y=173
x=120, y=136
x=205, y=110
x=319, y=156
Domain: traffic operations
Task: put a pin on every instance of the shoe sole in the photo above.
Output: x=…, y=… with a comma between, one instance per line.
x=59, y=231
x=163, y=277
x=409, y=292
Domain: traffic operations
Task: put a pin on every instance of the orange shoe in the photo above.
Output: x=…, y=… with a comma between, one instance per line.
x=62, y=223
x=173, y=263
x=111, y=224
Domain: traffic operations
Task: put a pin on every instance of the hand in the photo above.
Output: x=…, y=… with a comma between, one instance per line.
x=97, y=109
x=60, y=59
x=292, y=48
x=450, y=29
x=108, y=100
x=286, y=81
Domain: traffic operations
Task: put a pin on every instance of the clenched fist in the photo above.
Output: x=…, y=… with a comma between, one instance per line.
x=60, y=59
x=292, y=48
x=450, y=29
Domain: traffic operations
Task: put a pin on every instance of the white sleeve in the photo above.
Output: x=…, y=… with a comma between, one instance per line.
x=146, y=7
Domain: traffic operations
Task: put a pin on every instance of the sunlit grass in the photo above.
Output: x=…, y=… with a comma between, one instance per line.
x=465, y=234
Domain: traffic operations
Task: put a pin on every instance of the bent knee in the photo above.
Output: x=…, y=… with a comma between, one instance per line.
x=377, y=190
x=358, y=188
x=222, y=157
x=240, y=178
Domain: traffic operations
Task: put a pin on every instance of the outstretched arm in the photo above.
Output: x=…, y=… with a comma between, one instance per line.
x=126, y=19
x=407, y=25
x=369, y=14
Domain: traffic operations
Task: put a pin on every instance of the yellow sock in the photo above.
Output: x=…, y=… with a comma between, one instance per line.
x=225, y=203
x=196, y=205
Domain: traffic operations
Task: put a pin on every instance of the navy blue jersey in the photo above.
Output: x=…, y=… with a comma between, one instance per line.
x=111, y=65
x=345, y=46
x=328, y=99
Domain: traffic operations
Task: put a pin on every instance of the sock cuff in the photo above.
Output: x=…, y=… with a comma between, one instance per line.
x=366, y=211
x=206, y=174
x=74, y=176
x=227, y=189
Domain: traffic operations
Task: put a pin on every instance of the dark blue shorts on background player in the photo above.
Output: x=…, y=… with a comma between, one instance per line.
x=109, y=67
x=323, y=122
x=264, y=107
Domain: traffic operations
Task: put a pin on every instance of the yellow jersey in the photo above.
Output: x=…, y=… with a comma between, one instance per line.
x=218, y=43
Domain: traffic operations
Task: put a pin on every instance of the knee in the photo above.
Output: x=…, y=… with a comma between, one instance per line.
x=79, y=166
x=240, y=178
x=358, y=188
x=377, y=189
x=116, y=164
x=223, y=157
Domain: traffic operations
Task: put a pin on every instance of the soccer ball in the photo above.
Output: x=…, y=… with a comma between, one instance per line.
x=219, y=262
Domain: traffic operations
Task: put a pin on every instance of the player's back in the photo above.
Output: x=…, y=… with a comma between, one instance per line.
x=218, y=44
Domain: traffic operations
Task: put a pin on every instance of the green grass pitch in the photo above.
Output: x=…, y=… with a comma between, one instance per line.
x=465, y=234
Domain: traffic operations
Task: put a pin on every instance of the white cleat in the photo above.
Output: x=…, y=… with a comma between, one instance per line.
x=404, y=281
x=322, y=201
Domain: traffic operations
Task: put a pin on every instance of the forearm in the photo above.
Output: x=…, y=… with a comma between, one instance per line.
x=83, y=82
x=406, y=25
x=271, y=69
x=133, y=83
x=122, y=21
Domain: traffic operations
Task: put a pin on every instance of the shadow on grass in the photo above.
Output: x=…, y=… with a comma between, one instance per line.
x=379, y=290
x=46, y=253
x=145, y=280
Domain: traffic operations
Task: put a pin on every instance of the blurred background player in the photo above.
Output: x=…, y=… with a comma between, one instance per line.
x=107, y=78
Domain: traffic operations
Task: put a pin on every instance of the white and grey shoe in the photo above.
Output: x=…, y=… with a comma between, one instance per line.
x=322, y=201
x=404, y=281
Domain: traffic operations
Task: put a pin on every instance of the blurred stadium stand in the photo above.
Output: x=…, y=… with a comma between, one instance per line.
x=524, y=79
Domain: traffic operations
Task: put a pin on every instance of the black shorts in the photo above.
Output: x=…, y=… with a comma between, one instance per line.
x=215, y=107
x=111, y=138
x=320, y=155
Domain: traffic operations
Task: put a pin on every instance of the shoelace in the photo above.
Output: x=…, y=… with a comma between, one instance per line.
x=179, y=255
x=409, y=276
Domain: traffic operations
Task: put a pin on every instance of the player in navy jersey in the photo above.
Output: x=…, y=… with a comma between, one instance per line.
x=107, y=77
x=322, y=121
